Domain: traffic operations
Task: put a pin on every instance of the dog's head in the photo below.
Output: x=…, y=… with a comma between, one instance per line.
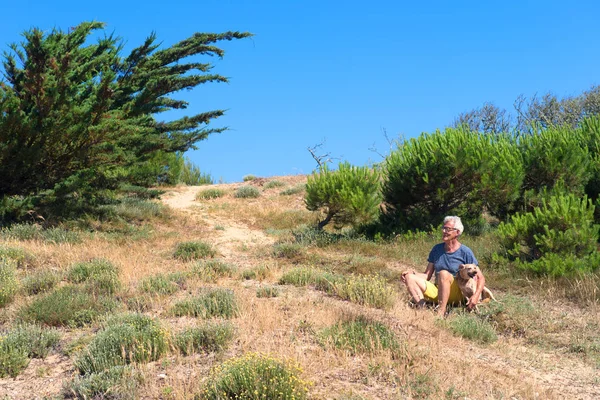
x=467, y=271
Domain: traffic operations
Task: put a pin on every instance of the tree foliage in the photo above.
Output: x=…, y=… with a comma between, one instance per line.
x=348, y=195
x=457, y=172
x=557, y=238
x=75, y=113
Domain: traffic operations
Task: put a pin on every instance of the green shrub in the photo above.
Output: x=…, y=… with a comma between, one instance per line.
x=163, y=283
x=455, y=172
x=300, y=276
x=210, y=303
x=99, y=276
x=59, y=235
x=246, y=192
x=294, y=190
x=188, y=251
x=209, y=337
x=556, y=239
x=21, y=343
x=22, y=232
x=125, y=339
x=192, y=176
x=118, y=382
x=287, y=250
x=260, y=273
x=21, y=257
x=210, y=194
x=349, y=195
x=255, y=376
x=140, y=192
x=67, y=306
x=211, y=270
x=471, y=327
x=40, y=281
x=274, y=184
x=248, y=178
x=9, y=285
x=267, y=291
x=360, y=335
x=136, y=209
x=366, y=290
x=555, y=154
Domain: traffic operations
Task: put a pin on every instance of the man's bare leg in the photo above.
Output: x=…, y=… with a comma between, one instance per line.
x=444, y=280
x=416, y=284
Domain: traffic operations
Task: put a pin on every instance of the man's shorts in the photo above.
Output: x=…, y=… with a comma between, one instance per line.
x=431, y=293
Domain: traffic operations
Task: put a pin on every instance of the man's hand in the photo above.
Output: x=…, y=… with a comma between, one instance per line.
x=472, y=303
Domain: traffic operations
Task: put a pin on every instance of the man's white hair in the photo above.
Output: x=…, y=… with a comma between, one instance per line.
x=458, y=225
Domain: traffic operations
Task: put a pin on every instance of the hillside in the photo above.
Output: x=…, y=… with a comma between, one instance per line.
x=547, y=347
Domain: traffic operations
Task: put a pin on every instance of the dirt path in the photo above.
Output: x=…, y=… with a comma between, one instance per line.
x=229, y=235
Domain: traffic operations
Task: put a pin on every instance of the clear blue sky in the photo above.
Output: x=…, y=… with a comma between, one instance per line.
x=342, y=71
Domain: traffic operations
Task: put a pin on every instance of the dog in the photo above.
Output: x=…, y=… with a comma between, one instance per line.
x=468, y=286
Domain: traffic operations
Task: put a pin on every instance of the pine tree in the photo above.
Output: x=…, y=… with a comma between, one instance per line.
x=74, y=114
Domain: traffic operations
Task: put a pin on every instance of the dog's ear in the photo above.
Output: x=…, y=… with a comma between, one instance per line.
x=461, y=266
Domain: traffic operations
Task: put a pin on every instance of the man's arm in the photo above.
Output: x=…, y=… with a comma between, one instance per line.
x=426, y=275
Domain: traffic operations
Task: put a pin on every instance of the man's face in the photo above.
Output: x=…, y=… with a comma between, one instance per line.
x=448, y=231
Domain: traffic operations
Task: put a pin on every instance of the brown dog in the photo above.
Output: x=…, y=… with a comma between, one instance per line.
x=468, y=286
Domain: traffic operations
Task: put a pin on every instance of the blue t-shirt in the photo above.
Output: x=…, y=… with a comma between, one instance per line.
x=450, y=261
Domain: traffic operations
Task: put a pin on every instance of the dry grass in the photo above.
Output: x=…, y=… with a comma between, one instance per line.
x=557, y=357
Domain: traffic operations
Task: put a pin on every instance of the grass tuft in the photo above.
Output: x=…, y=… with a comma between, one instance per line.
x=188, y=251
x=67, y=306
x=274, y=184
x=293, y=190
x=118, y=382
x=246, y=192
x=21, y=343
x=212, y=270
x=267, y=291
x=163, y=284
x=209, y=337
x=40, y=282
x=210, y=194
x=210, y=303
x=98, y=275
x=9, y=285
x=471, y=327
x=125, y=339
x=360, y=335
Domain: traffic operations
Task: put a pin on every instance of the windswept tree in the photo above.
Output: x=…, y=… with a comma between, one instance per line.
x=76, y=114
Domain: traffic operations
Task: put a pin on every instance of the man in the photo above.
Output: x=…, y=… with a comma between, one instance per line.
x=444, y=259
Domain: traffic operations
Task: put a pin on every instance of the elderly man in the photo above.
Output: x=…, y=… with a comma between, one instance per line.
x=444, y=259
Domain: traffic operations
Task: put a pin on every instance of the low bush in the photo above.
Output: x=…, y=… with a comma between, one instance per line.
x=471, y=327
x=288, y=250
x=246, y=192
x=371, y=291
x=293, y=190
x=513, y=316
x=209, y=303
x=136, y=209
x=125, y=339
x=212, y=270
x=40, y=281
x=118, y=382
x=349, y=195
x=255, y=376
x=300, y=276
x=558, y=238
x=67, y=306
x=188, y=251
x=274, y=184
x=267, y=291
x=22, y=232
x=209, y=337
x=209, y=194
x=259, y=273
x=21, y=343
x=99, y=276
x=9, y=285
x=22, y=258
x=360, y=335
x=249, y=177
x=163, y=284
